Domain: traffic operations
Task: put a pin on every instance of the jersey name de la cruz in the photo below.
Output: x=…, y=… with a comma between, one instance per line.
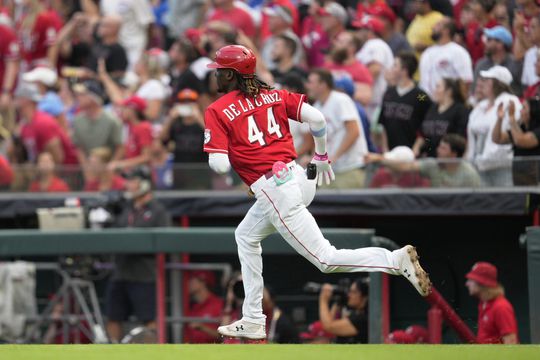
x=253, y=132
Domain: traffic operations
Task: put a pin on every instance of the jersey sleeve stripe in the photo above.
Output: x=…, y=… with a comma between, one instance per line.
x=302, y=99
x=212, y=150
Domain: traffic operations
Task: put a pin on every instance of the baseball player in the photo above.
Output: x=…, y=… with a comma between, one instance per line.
x=247, y=128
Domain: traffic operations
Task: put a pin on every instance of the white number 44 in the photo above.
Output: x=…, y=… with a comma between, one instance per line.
x=254, y=134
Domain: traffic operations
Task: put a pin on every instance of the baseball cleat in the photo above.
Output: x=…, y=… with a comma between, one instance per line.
x=243, y=329
x=410, y=268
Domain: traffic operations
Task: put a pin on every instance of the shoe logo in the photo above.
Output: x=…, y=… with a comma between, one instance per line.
x=407, y=273
x=241, y=327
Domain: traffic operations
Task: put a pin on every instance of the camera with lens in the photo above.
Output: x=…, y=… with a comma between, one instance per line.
x=102, y=212
x=339, y=291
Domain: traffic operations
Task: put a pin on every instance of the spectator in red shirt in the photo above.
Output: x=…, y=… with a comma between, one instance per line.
x=206, y=305
x=342, y=60
x=9, y=68
x=6, y=173
x=139, y=138
x=386, y=177
x=46, y=180
x=226, y=10
x=333, y=18
x=37, y=31
x=484, y=19
x=97, y=176
x=313, y=36
x=40, y=132
x=534, y=90
x=496, y=319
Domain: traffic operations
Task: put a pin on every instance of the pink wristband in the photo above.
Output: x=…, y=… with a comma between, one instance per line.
x=321, y=157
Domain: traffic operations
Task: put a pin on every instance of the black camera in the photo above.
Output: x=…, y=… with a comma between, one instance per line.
x=102, y=212
x=339, y=293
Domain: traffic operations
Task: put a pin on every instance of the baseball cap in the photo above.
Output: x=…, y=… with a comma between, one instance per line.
x=336, y=10
x=135, y=103
x=344, y=83
x=51, y=104
x=89, y=87
x=160, y=55
x=381, y=10
x=280, y=11
x=206, y=276
x=499, y=33
x=187, y=95
x=315, y=330
x=28, y=91
x=400, y=153
x=371, y=23
x=483, y=273
x=498, y=72
x=41, y=74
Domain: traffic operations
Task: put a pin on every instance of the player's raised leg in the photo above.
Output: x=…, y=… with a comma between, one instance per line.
x=298, y=227
x=249, y=234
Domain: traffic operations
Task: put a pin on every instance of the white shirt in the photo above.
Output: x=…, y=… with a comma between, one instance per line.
x=338, y=109
x=153, y=90
x=481, y=149
x=136, y=16
x=529, y=76
x=444, y=61
x=376, y=50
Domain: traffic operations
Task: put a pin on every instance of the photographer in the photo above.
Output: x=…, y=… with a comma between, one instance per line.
x=351, y=328
x=132, y=288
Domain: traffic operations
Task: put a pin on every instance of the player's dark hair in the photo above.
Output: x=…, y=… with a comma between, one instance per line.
x=408, y=61
x=251, y=86
x=290, y=44
x=457, y=143
x=325, y=76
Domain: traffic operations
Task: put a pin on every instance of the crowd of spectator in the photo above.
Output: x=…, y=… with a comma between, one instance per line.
x=91, y=89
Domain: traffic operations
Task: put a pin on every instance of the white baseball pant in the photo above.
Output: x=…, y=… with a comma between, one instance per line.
x=283, y=208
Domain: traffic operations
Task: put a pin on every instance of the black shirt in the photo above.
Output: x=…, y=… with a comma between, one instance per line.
x=402, y=116
x=451, y=121
x=278, y=75
x=140, y=267
x=115, y=57
x=359, y=321
x=188, y=142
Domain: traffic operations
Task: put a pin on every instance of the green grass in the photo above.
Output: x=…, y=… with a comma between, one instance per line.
x=267, y=352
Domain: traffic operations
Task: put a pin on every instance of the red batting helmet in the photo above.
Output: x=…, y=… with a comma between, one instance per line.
x=235, y=57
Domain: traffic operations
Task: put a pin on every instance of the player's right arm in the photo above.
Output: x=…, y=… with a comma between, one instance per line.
x=317, y=125
x=216, y=142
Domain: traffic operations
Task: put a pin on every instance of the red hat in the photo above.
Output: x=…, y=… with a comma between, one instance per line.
x=371, y=23
x=400, y=337
x=418, y=333
x=315, y=330
x=382, y=10
x=484, y=274
x=135, y=103
x=206, y=276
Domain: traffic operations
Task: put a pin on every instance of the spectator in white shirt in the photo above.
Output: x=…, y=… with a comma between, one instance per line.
x=529, y=76
x=346, y=143
x=137, y=16
x=445, y=59
x=377, y=56
x=494, y=162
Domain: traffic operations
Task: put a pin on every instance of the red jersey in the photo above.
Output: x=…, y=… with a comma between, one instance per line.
x=118, y=183
x=56, y=185
x=139, y=137
x=211, y=308
x=473, y=38
x=43, y=128
x=36, y=41
x=238, y=18
x=496, y=319
x=254, y=132
x=9, y=49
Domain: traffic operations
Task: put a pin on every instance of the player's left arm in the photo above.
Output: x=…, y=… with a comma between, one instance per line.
x=216, y=143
